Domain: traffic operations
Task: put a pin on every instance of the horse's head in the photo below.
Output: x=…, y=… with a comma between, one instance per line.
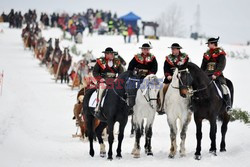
x=66, y=53
x=150, y=88
x=131, y=85
x=185, y=80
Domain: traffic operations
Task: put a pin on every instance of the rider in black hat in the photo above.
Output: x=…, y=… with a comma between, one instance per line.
x=144, y=63
x=213, y=63
x=106, y=67
x=176, y=58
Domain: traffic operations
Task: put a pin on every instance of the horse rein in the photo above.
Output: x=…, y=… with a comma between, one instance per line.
x=192, y=91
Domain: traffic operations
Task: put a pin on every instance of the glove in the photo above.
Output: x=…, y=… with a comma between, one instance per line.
x=169, y=78
x=102, y=80
x=214, y=77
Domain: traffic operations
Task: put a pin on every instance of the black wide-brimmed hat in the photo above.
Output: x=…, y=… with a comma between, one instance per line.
x=109, y=50
x=145, y=46
x=175, y=46
x=213, y=40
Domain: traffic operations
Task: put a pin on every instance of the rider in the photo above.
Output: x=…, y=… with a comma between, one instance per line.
x=176, y=58
x=105, y=68
x=213, y=63
x=144, y=63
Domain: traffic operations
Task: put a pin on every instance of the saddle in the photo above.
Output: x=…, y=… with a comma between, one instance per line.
x=220, y=89
x=93, y=104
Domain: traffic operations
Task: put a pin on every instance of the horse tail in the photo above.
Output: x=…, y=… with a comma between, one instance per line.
x=231, y=89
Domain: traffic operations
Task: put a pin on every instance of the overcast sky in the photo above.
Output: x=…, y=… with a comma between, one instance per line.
x=228, y=19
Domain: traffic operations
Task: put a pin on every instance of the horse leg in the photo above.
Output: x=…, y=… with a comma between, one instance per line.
x=136, y=150
x=149, y=133
x=120, y=138
x=142, y=127
x=225, y=121
x=99, y=131
x=132, y=127
x=67, y=77
x=213, y=130
x=90, y=130
x=183, y=135
x=110, y=138
x=198, y=123
x=61, y=75
x=173, y=131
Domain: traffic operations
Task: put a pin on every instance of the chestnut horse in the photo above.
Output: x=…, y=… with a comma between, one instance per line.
x=65, y=65
x=40, y=48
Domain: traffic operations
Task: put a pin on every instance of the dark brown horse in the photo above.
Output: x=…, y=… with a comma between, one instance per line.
x=56, y=58
x=31, y=41
x=206, y=104
x=65, y=65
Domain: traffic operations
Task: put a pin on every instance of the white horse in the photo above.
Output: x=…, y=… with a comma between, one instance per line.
x=88, y=56
x=177, y=107
x=145, y=107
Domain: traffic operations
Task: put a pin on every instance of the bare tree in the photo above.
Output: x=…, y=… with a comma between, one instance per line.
x=171, y=22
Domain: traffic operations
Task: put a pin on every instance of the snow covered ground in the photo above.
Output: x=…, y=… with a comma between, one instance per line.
x=36, y=113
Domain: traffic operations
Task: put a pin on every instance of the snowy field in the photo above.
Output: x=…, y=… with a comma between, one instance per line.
x=36, y=113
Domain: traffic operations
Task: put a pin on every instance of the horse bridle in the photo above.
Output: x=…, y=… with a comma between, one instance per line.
x=188, y=87
x=127, y=95
x=148, y=99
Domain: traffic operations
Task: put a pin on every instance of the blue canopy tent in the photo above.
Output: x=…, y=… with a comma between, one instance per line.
x=131, y=19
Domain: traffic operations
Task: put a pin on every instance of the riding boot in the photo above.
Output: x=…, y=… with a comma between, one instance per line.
x=227, y=101
x=162, y=99
x=99, y=100
x=226, y=97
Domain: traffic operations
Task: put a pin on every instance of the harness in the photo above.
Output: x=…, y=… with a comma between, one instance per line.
x=190, y=91
x=148, y=99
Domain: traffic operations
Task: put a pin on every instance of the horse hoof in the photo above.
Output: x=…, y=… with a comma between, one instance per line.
x=118, y=157
x=110, y=158
x=91, y=153
x=137, y=156
x=223, y=150
x=150, y=154
x=213, y=152
x=171, y=156
x=102, y=154
x=197, y=157
x=182, y=155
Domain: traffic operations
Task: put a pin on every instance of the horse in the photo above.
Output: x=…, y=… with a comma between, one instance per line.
x=40, y=48
x=31, y=40
x=80, y=119
x=80, y=74
x=56, y=58
x=88, y=56
x=177, y=107
x=49, y=51
x=206, y=104
x=65, y=65
x=145, y=107
x=115, y=109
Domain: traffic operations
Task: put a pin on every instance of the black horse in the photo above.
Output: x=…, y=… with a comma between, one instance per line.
x=206, y=104
x=119, y=98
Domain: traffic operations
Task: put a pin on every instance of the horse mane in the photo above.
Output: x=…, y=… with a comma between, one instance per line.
x=198, y=72
x=125, y=75
x=200, y=78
